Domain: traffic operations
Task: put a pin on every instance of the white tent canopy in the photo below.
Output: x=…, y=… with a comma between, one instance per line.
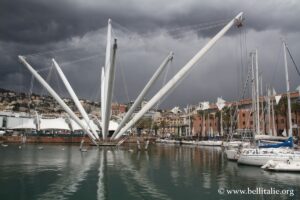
x=1, y=121
x=75, y=126
x=113, y=125
x=57, y=123
x=20, y=123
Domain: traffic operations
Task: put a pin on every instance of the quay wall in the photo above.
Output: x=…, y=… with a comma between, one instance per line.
x=64, y=139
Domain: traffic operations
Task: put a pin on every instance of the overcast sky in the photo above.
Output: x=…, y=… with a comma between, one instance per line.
x=74, y=33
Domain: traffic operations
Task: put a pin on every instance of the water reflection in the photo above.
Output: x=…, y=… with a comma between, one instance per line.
x=134, y=173
x=163, y=172
x=69, y=180
x=101, y=189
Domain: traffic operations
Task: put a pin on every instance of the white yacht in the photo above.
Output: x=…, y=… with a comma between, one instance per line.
x=282, y=166
x=210, y=143
x=259, y=157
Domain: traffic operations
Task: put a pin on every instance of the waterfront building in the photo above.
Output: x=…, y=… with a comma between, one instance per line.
x=207, y=123
x=170, y=124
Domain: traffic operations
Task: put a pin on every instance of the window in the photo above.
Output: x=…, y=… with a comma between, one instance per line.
x=244, y=115
x=282, y=121
x=244, y=122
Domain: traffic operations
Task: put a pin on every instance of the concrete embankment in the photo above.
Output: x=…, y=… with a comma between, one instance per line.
x=63, y=139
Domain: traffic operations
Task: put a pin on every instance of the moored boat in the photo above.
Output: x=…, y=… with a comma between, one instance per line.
x=259, y=157
x=282, y=166
x=210, y=143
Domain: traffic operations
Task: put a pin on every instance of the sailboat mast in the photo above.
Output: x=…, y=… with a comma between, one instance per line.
x=257, y=94
x=253, y=93
x=221, y=123
x=262, y=105
x=203, y=124
x=273, y=118
x=189, y=113
x=269, y=110
x=287, y=91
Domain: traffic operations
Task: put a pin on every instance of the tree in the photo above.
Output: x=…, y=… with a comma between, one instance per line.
x=226, y=118
x=296, y=108
x=281, y=110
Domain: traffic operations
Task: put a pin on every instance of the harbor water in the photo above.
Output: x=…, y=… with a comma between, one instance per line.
x=163, y=172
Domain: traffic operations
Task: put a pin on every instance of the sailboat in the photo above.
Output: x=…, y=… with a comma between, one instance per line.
x=282, y=166
x=260, y=156
x=233, y=148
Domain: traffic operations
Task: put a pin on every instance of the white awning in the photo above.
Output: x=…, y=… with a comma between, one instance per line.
x=1, y=121
x=75, y=126
x=20, y=123
x=113, y=126
x=57, y=123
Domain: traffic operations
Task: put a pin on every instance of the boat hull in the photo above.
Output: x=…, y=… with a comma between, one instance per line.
x=283, y=166
x=262, y=159
x=232, y=154
x=210, y=143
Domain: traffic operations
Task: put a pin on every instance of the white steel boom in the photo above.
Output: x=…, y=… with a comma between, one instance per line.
x=105, y=80
x=109, y=72
x=102, y=100
x=179, y=76
x=109, y=90
x=75, y=98
x=141, y=96
x=57, y=98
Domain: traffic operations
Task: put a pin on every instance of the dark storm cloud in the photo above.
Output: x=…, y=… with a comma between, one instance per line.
x=42, y=21
x=146, y=31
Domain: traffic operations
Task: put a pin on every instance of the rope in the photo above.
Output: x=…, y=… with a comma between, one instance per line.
x=244, y=88
x=48, y=77
x=64, y=64
x=124, y=82
x=274, y=78
x=298, y=72
x=164, y=82
x=52, y=51
x=58, y=83
x=194, y=27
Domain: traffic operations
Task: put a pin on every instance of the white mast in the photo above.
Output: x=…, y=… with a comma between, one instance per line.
x=189, y=113
x=141, y=96
x=253, y=93
x=273, y=118
x=106, y=112
x=262, y=105
x=75, y=98
x=203, y=124
x=180, y=75
x=57, y=98
x=111, y=79
x=269, y=110
x=287, y=91
x=257, y=94
x=221, y=123
x=220, y=104
x=231, y=120
x=102, y=100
